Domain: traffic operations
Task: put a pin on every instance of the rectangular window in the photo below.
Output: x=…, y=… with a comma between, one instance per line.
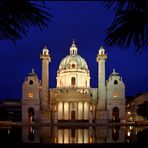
x=116, y=94
x=30, y=94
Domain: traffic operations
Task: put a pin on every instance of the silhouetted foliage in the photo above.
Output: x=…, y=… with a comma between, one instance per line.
x=142, y=110
x=3, y=114
x=18, y=16
x=130, y=24
x=142, y=136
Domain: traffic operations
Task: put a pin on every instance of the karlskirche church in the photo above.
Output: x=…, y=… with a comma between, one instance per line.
x=73, y=99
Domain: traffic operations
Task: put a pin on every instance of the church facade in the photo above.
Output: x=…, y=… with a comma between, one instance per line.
x=73, y=99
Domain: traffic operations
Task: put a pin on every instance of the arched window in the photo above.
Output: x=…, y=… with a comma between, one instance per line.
x=73, y=81
x=31, y=82
x=115, y=82
x=73, y=65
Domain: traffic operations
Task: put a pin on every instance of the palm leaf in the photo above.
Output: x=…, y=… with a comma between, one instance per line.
x=116, y=4
x=119, y=5
x=127, y=27
x=18, y=16
x=130, y=25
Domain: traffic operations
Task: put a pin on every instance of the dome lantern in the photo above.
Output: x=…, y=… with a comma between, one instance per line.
x=73, y=48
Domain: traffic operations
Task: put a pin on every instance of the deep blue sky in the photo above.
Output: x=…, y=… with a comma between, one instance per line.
x=84, y=21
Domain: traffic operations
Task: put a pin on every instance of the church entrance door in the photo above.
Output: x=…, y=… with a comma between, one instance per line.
x=72, y=115
x=115, y=115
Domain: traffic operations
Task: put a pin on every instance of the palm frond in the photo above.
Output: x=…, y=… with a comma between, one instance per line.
x=119, y=5
x=18, y=16
x=127, y=27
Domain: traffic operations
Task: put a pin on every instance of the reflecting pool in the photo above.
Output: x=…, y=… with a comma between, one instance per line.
x=74, y=135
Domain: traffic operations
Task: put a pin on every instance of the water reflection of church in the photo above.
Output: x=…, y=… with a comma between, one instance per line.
x=73, y=99
x=98, y=134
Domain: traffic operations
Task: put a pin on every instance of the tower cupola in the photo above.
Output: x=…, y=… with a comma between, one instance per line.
x=45, y=51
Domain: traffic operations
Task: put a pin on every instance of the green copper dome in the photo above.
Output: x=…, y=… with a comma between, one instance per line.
x=73, y=60
x=79, y=62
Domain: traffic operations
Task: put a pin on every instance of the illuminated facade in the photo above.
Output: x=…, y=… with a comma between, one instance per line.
x=73, y=99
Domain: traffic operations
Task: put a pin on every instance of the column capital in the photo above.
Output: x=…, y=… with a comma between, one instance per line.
x=101, y=54
x=101, y=57
x=45, y=57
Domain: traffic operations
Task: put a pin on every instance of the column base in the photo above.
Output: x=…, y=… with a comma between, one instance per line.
x=44, y=116
x=102, y=116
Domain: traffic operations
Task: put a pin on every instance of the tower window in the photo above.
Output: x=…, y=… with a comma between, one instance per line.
x=31, y=82
x=73, y=81
x=116, y=94
x=30, y=95
x=73, y=65
x=115, y=82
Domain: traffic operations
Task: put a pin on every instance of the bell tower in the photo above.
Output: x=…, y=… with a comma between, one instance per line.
x=101, y=112
x=30, y=98
x=45, y=110
x=101, y=58
x=45, y=57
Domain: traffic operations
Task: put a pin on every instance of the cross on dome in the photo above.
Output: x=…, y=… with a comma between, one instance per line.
x=73, y=42
x=33, y=70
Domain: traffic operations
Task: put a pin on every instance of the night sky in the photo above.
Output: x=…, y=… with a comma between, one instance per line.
x=85, y=22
